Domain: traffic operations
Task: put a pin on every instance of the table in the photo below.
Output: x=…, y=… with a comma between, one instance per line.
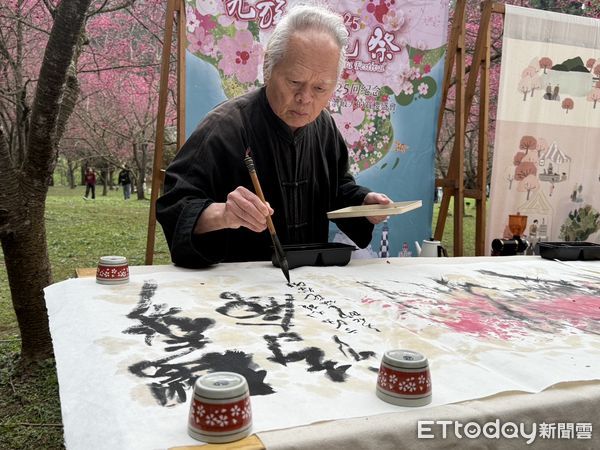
x=492, y=329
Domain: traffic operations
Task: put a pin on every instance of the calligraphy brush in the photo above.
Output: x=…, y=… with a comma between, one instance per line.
x=279, y=253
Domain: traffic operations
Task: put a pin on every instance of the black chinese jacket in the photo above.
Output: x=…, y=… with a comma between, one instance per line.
x=303, y=175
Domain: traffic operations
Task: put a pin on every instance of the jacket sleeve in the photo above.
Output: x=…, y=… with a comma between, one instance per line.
x=193, y=181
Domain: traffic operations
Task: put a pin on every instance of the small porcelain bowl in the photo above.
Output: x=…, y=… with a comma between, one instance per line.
x=112, y=270
x=220, y=408
x=404, y=378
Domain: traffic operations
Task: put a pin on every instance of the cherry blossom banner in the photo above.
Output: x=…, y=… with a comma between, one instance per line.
x=546, y=161
x=385, y=105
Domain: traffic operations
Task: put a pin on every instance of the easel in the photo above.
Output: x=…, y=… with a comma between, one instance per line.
x=175, y=13
x=453, y=184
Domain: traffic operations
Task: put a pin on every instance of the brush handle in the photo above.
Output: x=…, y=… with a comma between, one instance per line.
x=279, y=253
x=259, y=192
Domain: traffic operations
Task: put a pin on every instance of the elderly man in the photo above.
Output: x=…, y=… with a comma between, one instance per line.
x=209, y=211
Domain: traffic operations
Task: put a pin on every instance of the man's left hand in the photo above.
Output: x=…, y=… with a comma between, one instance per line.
x=373, y=198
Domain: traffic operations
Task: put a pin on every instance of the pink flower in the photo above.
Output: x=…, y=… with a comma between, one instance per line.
x=394, y=20
x=201, y=42
x=192, y=20
x=347, y=120
x=349, y=74
x=241, y=56
x=418, y=58
x=226, y=21
x=427, y=68
x=206, y=21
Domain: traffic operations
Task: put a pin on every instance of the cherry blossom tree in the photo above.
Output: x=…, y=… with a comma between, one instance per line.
x=528, y=143
x=119, y=77
x=545, y=63
x=530, y=80
x=568, y=104
x=528, y=184
x=594, y=94
x=525, y=160
x=524, y=86
x=118, y=126
x=588, y=8
x=590, y=63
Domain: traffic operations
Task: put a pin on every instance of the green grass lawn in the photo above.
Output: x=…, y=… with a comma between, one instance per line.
x=79, y=232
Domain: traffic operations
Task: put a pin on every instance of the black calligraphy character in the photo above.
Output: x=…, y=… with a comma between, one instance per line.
x=179, y=332
x=312, y=355
x=358, y=356
x=251, y=307
x=171, y=380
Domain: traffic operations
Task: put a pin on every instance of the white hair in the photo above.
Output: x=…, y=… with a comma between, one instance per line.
x=304, y=18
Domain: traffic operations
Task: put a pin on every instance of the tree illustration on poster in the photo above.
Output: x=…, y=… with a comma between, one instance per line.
x=385, y=104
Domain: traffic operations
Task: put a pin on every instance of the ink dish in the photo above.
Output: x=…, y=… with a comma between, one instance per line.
x=326, y=254
x=570, y=251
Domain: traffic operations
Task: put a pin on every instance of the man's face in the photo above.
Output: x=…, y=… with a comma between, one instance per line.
x=302, y=83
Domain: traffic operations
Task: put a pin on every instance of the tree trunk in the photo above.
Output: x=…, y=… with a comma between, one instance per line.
x=104, y=173
x=71, y=173
x=140, y=188
x=28, y=269
x=144, y=147
x=140, y=159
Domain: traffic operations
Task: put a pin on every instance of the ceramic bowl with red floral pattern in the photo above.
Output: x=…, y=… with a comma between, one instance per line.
x=220, y=408
x=112, y=270
x=404, y=378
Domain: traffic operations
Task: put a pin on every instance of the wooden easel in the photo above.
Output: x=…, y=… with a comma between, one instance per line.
x=453, y=184
x=175, y=13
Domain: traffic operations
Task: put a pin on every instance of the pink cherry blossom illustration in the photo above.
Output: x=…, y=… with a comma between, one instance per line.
x=192, y=20
x=242, y=56
x=347, y=120
x=207, y=22
x=394, y=20
x=210, y=7
x=200, y=41
x=226, y=21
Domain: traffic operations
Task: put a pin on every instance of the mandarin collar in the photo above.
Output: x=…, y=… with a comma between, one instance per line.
x=280, y=127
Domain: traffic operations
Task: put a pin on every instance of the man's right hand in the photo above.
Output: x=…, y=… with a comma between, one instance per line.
x=243, y=208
